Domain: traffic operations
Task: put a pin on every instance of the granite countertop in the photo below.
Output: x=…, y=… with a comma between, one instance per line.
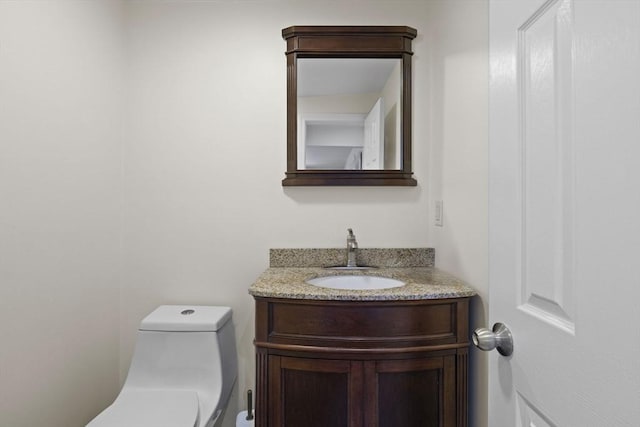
x=421, y=283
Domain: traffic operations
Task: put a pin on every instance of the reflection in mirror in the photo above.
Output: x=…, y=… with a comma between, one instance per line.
x=349, y=113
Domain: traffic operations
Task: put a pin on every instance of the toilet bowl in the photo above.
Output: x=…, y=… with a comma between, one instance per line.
x=183, y=370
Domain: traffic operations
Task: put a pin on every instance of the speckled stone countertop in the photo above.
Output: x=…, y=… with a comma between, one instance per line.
x=327, y=257
x=422, y=282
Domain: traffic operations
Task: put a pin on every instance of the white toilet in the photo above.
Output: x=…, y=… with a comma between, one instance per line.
x=183, y=369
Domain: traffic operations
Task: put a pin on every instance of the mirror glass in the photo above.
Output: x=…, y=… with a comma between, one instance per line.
x=349, y=113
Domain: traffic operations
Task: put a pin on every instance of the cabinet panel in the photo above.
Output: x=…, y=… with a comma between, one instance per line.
x=364, y=324
x=315, y=393
x=410, y=393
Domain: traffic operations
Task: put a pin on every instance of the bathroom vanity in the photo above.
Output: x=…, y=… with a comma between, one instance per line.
x=365, y=358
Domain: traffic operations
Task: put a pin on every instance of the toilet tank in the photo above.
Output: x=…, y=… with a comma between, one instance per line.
x=187, y=348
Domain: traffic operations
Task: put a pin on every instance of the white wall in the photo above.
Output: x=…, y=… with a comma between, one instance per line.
x=206, y=154
x=459, y=163
x=60, y=209
x=359, y=103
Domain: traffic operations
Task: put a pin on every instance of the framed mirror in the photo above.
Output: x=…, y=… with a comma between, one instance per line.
x=349, y=105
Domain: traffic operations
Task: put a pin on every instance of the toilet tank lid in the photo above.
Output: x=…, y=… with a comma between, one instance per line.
x=186, y=318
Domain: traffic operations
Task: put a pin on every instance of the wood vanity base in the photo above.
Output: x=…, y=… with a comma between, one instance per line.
x=361, y=363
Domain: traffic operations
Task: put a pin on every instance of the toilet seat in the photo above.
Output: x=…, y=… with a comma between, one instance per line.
x=150, y=408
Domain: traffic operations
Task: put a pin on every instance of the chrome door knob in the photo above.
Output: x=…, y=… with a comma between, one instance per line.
x=500, y=339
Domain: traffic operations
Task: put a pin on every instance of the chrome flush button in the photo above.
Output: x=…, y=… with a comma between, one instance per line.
x=187, y=312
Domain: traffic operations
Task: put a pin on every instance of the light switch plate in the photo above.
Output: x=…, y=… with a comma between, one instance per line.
x=438, y=213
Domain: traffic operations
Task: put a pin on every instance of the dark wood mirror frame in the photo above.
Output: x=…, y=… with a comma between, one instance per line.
x=348, y=42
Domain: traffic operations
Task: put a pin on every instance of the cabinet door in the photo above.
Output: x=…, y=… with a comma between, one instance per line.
x=314, y=392
x=410, y=393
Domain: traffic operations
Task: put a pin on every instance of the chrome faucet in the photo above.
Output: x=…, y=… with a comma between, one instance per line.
x=352, y=249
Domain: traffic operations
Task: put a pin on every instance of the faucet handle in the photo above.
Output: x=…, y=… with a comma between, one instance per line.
x=352, y=248
x=352, y=244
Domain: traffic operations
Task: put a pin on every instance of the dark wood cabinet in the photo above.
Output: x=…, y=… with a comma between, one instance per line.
x=361, y=363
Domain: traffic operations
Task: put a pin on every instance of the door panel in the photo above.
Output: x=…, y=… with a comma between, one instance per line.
x=564, y=208
x=373, y=149
x=546, y=178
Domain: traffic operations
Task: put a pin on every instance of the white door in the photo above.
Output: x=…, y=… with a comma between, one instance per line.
x=565, y=212
x=373, y=148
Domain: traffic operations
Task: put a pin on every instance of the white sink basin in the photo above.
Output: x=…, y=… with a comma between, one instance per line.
x=355, y=282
